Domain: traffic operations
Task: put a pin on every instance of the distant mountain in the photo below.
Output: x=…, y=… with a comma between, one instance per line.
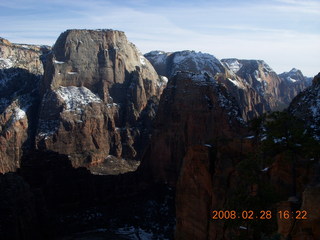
x=278, y=90
x=260, y=76
x=293, y=82
x=168, y=64
x=253, y=83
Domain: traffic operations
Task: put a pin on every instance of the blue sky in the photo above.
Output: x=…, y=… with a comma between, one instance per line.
x=284, y=33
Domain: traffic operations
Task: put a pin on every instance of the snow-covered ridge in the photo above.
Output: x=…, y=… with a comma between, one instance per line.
x=75, y=97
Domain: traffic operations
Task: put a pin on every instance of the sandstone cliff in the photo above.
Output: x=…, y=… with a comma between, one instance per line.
x=20, y=72
x=99, y=98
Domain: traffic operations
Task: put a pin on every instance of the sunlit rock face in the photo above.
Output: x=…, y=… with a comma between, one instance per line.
x=99, y=97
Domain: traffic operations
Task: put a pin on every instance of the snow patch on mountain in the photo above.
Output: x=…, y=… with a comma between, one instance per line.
x=236, y=83
x=233, y=64
x=163, y=81
x=142, y=60
x=72, y=73
x=291, y=79
x=6, y=63
x=18, y=114
x=75, y=97
x=58, y=62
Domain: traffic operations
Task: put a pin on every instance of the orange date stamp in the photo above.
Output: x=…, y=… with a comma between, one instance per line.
x=256, y=215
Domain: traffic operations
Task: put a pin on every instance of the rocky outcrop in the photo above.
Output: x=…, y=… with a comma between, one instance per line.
x=306, y=106
x=20, y=72
x=99, y=98
x=194, y=109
